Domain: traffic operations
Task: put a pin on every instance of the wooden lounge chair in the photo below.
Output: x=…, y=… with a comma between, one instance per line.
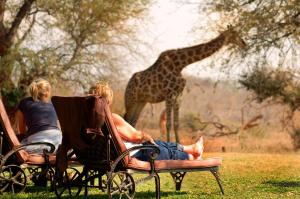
x=101, y=149
x=14, y=159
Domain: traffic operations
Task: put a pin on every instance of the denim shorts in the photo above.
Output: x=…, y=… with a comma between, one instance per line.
x=53, y=136
x=168, y=151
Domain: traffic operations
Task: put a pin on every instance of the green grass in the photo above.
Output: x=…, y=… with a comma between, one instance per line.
x=243, y=176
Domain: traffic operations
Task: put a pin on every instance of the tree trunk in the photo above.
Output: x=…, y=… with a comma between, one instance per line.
x=7, y=35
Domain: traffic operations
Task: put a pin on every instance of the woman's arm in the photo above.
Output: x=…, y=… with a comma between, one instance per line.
x=21, y=122
x=128, y=132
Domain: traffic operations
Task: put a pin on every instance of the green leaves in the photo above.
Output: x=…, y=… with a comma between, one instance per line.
x=265, y=25
x=66, y=40
x=279, y=85
x=12, y=96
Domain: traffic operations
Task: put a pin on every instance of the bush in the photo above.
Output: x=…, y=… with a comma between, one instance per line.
x=193, y=122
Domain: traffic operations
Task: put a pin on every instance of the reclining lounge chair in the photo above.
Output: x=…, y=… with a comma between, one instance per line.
x=14, y=159
x=89, y=130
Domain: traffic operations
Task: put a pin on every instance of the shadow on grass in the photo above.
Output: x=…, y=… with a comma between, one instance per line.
x=280, y=186
x=45, y=192
x=283, y=183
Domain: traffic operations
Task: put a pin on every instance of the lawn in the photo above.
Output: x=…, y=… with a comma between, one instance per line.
x=244, y=175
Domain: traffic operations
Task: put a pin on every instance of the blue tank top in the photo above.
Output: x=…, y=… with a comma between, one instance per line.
x=39, y=116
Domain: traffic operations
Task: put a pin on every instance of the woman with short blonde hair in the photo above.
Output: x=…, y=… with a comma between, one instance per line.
x=40, y=90
x=103, y=89
x=37, y=119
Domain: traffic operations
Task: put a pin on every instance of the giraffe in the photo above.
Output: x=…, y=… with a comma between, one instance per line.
x=163, y=80
x=162, y=124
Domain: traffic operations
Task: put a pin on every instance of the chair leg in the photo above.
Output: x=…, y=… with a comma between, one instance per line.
x=157, y=186
x=51, y=174
x=178, y=178
x=86, y=173
x=216, y=174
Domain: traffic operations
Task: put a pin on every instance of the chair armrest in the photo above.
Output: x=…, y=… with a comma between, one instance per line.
x=154, y=155
x=21, y=147
x=154, y=148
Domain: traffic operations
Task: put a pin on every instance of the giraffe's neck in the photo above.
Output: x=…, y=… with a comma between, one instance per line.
x=184, y=56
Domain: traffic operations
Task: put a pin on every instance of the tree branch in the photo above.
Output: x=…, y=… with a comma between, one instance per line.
x=2, y=10
x=19, y=17
x=27, y=31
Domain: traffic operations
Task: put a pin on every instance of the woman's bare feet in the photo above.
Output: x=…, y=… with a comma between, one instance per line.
x=198, y=149
x=194, y=151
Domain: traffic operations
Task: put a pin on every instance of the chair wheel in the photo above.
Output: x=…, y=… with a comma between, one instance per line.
x=121, y=184
x=68, y=183
x=12, y=178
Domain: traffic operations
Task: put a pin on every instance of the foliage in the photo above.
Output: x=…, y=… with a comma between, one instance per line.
x=11, y=96
x=282, y=86
x=277, y=84
x=193, y=122
x=64, y=40
x=270, y=28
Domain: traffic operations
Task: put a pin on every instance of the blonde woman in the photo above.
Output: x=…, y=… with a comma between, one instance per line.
x=132, y=136
x=36, y=116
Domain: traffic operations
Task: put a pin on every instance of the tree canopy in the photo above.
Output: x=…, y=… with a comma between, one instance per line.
x=271, y=28
x=272, y=31
x=62, y=40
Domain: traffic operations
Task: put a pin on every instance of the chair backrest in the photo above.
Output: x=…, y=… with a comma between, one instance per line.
x=112, y=130
x=76, y=115
x=10, y=138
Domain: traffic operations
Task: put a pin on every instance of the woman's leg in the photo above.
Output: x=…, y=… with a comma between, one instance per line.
x=182, y=152
x=196, y=150
x=145, y=154
x=171, y=151
x=174, y=151
x=169, y=145
x=168, y=151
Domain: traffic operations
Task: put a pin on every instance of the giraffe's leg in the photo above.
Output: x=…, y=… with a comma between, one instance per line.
x=176, y=120
x=169, y=118
x=162, y=124
x=133, y=113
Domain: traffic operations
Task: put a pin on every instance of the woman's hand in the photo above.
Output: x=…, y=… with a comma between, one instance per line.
x=147, y=138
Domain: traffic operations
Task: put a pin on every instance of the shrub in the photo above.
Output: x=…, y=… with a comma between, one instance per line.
x=193, y=122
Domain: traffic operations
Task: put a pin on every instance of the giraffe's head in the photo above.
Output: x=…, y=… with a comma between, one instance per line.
x=233, y=37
